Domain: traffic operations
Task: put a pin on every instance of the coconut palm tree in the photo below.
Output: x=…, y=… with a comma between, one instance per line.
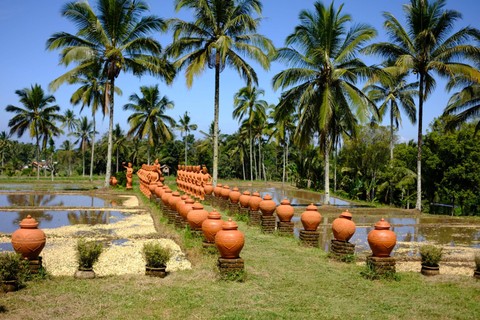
x=426, y=45
x=464, y=105
x=117, y=37
x=322, y=53
x=69, y=120
x=247, y=106
x=83, y=132
x=119, y=144
x=67, y=154
x=223, y=32
x=5, y=144
x=394, y=95
x=38, y=116
x=185, y=127
x=149, y=118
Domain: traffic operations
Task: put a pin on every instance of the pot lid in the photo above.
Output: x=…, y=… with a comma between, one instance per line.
x=256, y=194
x=246, y=192
x=267, y=197
x=382, y=224
x=197, y=206
x=230, y=225
x=235, y=189
x=346, y=215
x=214, y=215
x=312, y=207
x=29, y=223
x=285, y=202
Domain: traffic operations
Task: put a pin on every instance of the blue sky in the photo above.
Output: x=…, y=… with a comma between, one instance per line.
x=25, y=26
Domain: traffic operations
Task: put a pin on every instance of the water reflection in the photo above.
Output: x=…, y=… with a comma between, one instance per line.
x=52, y=200
x=9, y=220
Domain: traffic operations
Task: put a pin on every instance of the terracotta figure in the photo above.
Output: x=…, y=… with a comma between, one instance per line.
x=129, y=175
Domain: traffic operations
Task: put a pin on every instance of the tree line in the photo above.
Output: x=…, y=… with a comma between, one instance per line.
x=322, y=109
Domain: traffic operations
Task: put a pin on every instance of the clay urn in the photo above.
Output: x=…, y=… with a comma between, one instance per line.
x=113, y=181
x=244, y=198
x=166, y=195
x=212, y=225
x=254, y=201
x=217, y=190
x=196, y=216
x=225, y=192
x=28, y=240
x=172, y=201
x=343, y=227
x=208, y=188
x=234, y=195
x=311, y=218
x=285, y=211
x=158, y=189
x=186, y=207
x=382, y=240
x=229, y=240
x=267, y=205
x=181, y=202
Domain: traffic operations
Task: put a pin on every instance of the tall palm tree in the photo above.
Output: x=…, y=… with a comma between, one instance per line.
x=69, y=120
x=247, y=106
x=38, y=116
x=322, y=53
x=427, y=45
x=149, y=118
x=395, y=95
x=83, y=132
x=464, y=105
x=5, y=144
x=223, y=32
x=117, y=38
x=67, y=154
x=119, y=144
x=282, y=130
x=184, y=126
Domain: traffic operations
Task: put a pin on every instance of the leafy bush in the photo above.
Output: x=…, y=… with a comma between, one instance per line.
x=155, y=255
x=431, y=255
x=13, y=267
x=88, y=253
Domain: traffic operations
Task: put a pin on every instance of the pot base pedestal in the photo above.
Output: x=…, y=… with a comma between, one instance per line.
x=309, y=238
x=230, y=266
x=382, y=265
x=8, y=286
x=268, y=224
x=179, y=222
x=430, y=271
x=232, y=208
x=85, y=274
x=156, y=272
x=255, y=217
x=285, y=228
x=243, y=211
x=341, y=248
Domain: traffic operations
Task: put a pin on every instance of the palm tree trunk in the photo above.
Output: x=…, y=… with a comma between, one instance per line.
x=108, y=170
x=93, y=148
x=117, y=161
x=326, y=198
x=243, y=170
x=259, y=159
x=83, y=158
x=284, y=163
x=185, y=150
x=391, y=131
x=216, y=111
x=251, y=152
x=38, y=156
x=418, y=205
x=255, y=162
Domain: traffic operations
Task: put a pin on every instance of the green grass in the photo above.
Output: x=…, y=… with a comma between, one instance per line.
x=283, y=280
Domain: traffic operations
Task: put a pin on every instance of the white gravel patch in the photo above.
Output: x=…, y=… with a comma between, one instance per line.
x=122, y=253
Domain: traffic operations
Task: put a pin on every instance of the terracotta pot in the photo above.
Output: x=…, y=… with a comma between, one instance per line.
x=244, y=199
x=229, y=240
x=167, y=193
x=267, y=205
x=343, y=227
x=254, y=201
x=382, y=240
x=311, y=218
x=113, y=181
x=211, y=226
x=181, y=202
x=196, y=216
x=28, y=240
x=158, y=190
x=429, y=271
x=186, y=207
x=234, y=195
x=156, y=272
x=172, y=201
x=217, y=190
x=208, y=187
x=285, y=211
x=225, y=192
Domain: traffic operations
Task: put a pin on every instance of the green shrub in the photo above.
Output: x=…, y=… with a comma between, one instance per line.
x=88, y=253
x=13, y=267
x=431, y=255
x=155, y=255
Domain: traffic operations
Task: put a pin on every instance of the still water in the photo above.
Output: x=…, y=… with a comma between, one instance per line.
x=52, y=200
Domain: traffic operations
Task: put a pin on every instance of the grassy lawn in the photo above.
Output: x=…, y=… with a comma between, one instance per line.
x=284, y=280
